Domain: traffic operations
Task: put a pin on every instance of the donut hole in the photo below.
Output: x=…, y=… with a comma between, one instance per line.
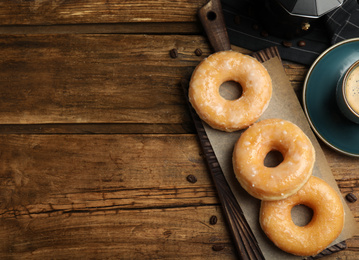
x=230, y=90
x=301, y=215
x=273, y=159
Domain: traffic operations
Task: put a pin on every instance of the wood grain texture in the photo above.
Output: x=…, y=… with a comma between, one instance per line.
x=296, y=74
x=95, y=78
x=40, y=12
x=170, y=233
x=212, y=19
x=113, y=192
x=100, y=172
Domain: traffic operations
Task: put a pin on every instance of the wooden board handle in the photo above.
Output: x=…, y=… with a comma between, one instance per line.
x=212, y=19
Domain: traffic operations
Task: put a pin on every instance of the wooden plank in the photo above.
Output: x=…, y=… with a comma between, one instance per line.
x=40, y=174
x=36, y=12
x=95, y=78
x=107, y=196
x=177, y=233
x=126, y=234
x=345, y=168
x=296, y=74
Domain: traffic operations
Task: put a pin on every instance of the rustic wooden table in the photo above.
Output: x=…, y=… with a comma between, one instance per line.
x=97, y=140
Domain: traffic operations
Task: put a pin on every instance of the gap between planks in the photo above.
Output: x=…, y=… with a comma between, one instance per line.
x=98, y=128
x=115, y=28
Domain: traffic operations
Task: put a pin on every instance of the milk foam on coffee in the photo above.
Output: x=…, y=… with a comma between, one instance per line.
x=352, y=90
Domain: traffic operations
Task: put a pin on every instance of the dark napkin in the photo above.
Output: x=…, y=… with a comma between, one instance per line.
x=245, y=30
x=343, y=23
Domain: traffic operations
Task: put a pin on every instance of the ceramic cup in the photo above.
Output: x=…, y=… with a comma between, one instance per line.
x=347, y=93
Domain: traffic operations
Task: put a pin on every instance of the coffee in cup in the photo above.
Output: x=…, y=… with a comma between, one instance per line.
x=348, y=93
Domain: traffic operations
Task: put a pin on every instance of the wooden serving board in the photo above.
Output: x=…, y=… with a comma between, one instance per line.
x=237, y=216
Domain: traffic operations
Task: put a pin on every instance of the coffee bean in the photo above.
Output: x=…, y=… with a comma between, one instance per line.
x=217, y=247
x=351, y=197
x=287, y=44
x=174, y=53
x=198, y=52
x=301, y=43
x=191, y=178
x=213, y=220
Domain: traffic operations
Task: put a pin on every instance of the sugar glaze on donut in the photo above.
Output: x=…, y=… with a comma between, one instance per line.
x=273, y=183
x=223, y=114
x=325, y=226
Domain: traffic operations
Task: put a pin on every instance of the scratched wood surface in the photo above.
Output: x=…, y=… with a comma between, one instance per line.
x=96, y=141
x=40, y=12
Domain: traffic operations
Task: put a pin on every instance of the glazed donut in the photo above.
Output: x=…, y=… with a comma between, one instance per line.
x=218, y=112
x=273, y=183
x=325, y=226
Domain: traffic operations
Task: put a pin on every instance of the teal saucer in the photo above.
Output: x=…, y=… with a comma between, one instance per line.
x=319, y=98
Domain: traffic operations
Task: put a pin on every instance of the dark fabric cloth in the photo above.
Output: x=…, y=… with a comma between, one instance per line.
x=343, y=23
x=245, y=29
